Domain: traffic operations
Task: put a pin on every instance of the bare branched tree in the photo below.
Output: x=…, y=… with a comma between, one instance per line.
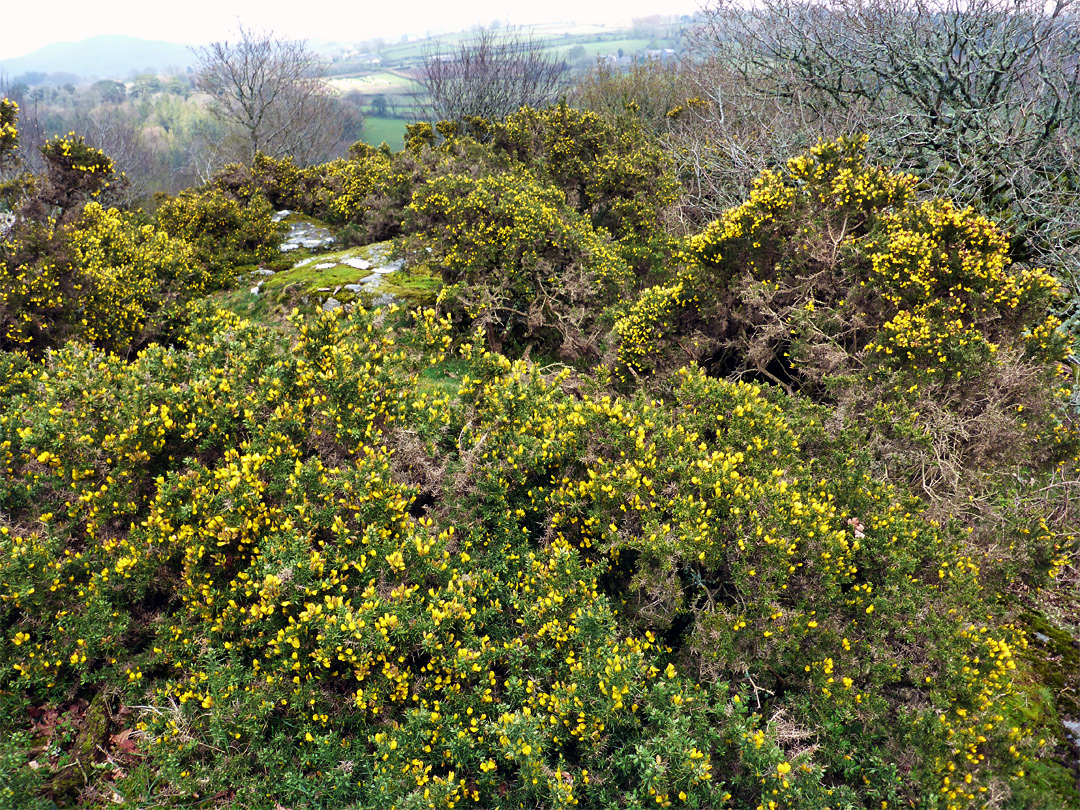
x=109, y=130
x=27, y=153
x=274, y=96
x=980, y=98
x=490, y=75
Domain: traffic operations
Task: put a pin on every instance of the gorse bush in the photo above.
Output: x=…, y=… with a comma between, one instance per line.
x=9, y=135
x=70, y=268
x=75, y=171
x=777, y=549
x=223, y=232
x=373, y=644
x=540, y=230
x=615, y=175
x=517, y=261
x=235, y=532
x=908, y=321
x=107, y=278
x=832, y=281
x=367, y=190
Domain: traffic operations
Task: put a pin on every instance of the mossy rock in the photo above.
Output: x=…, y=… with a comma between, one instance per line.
x=296, y=216
x=418, y=287
x=314, y=279
x=66, y=784
x=311, y=274
x=1055, y=656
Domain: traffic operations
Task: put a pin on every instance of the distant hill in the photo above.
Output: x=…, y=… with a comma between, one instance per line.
x=103, y=57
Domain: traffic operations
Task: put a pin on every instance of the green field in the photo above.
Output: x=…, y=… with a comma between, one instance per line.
x=629, y=46
x=377, y=130
x=377, y=82
x=559, y=37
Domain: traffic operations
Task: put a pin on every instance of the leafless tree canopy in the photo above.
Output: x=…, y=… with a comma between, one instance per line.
x=109, y=131
x=491, y=75
x=274, y=96
x=979, y=97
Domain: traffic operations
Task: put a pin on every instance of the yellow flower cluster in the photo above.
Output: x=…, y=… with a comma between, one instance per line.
x=837, y=174
x=117, y=274
x=947, y=273
x=640, y=329
x=295, y=564
x=350, y=185
x=223, y=233
x=9, y=131
x=73, y=166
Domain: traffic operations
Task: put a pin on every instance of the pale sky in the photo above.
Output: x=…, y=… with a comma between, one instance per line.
x=25, y=27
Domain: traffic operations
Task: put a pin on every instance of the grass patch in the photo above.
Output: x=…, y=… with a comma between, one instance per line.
x=258, y=308
x=443, y=377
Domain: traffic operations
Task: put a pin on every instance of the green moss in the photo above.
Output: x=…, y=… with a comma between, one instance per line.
x=310, y=278
x=305, y=278
x=1054, y=659
x=295, y=216
x=414, y=286
x=67, y=782
x=1054, y=656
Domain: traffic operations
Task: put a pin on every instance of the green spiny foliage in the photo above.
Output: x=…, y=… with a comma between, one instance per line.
x=623, y=181
x=604, y=600
x=831, y=280
x=339, y=563
x=74, y=173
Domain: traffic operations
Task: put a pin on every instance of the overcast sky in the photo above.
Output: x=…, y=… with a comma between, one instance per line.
x=26, y=26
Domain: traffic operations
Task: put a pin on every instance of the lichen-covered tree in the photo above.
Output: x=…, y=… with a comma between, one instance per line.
x=979, y=99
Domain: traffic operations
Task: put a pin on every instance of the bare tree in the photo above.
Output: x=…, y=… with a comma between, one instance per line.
x=274, y=97
x=111, y=131
x=490, y=75
x=31, y=127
